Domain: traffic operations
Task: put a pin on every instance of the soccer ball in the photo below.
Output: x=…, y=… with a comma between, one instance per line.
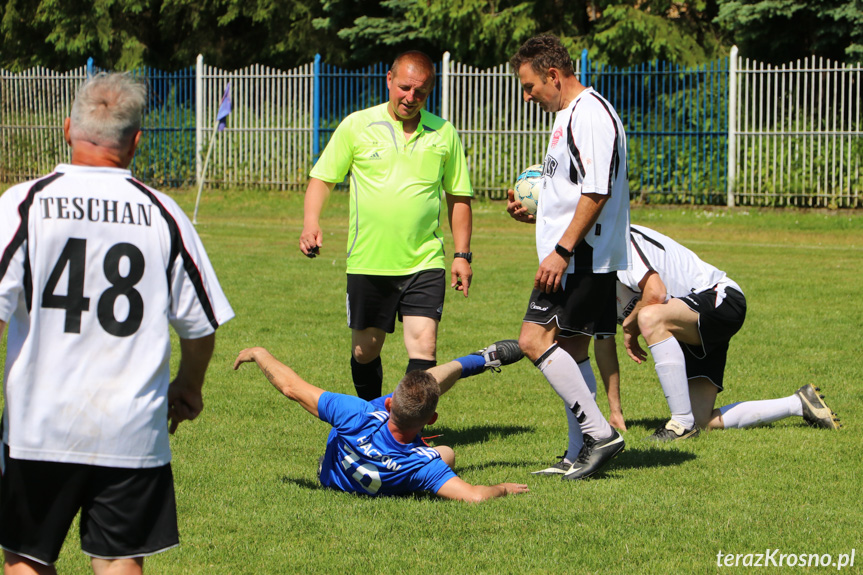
x=626, y=300
x=527, y=188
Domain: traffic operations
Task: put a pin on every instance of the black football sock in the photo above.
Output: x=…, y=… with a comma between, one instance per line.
x=423, y=364
x=368, y=378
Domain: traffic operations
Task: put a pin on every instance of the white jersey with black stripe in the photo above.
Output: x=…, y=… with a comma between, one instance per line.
x=94, y=268
x=679, y=268
x=586, y=155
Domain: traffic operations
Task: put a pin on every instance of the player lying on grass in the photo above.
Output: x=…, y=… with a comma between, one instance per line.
x=687, y=313
x=375, y=447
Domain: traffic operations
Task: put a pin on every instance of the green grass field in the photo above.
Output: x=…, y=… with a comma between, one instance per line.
x=249, y=500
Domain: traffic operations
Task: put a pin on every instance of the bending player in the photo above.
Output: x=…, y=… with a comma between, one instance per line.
x=687, y=314
x=375, y=447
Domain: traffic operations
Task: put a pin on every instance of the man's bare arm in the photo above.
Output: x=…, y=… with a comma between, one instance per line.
x=461, y=224
x=185, y=401
x=549, y=276
x=312, y=237
x=460, y=490
x=653, y=292
x=283, y=378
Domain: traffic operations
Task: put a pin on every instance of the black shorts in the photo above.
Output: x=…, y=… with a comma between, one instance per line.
x=124, y=512
x=376, y=301
x=716, y=326
x=586, y=305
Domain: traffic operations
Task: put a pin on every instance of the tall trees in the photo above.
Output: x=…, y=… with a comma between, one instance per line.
x=682, y=32
x=486, y=32
x=782, y=30
x=234, y=33
x=167, y=34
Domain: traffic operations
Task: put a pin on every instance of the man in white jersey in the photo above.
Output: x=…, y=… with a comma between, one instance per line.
x=687, y=314
x=582, y=228
x=94, y=267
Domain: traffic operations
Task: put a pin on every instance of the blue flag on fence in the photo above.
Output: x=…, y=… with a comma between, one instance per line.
x=224, y=107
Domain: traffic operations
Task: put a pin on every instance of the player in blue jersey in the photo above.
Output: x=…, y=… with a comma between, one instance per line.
x=375, y=447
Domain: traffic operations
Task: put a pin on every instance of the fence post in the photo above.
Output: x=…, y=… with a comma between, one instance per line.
x=444, y=99
x=316, y=110
x=199, y=117
x=731, y=174
x=585, y=68
x=90, y=67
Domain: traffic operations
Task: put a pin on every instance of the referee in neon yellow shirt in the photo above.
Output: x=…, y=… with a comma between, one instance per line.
x=403, y=161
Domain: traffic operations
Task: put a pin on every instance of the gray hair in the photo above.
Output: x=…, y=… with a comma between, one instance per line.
x=108, y=109
x=543, y=52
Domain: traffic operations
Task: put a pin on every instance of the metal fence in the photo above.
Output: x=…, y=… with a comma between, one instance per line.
x=676, y=122
x=782, y=136
x=501, y=133
x=797, y=136
x=268, y=138
x=166, y=152
x=33, y=105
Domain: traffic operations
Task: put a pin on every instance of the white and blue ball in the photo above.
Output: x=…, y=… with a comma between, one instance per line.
x=527, y=187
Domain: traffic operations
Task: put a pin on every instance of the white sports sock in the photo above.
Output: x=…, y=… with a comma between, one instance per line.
x=589, y=378
x=565, y=378
x=576, y=439
x=671, y=369
x=748, y=413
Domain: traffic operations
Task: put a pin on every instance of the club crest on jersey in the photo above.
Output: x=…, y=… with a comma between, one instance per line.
x=555, y=137
x=549, y=166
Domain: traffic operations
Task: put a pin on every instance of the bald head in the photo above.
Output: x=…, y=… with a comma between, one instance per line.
x=410, y=82
x=416, y=60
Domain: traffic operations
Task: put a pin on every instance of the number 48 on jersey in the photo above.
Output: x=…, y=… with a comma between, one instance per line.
x=75, y=303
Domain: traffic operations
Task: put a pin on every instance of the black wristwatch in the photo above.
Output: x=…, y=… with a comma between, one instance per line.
x=466, y=255
x=563, y=252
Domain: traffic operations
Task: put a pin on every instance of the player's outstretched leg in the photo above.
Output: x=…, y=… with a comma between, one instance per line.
x=497, y=354
x=503, y=352
x=815, y=410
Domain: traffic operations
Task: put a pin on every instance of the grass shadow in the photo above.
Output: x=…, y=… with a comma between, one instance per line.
x=647, y=422
x=650, y=457
x=478, y=434
x=523, y=464
x=301, y=482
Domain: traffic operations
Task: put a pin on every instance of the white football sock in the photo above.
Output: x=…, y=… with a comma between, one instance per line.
x=748, y=413
x=565, y=378
x=671, y=369
x=576, y=439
